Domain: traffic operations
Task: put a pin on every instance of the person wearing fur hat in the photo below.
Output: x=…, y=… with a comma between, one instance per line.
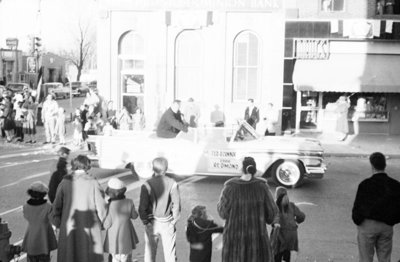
x=39, y=237
x=199, y=230
x=247, y=205
x=289, y=218
x=121, y=237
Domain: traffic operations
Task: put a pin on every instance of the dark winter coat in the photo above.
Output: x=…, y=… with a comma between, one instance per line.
x=247, y=206
x=39, y=236
x=378, y=198
x=199, y=231
x=252, y=117
x=288, y=238
x=171, y=124
x=57, y=177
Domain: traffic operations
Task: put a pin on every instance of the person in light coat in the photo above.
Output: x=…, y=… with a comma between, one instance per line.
x=121, y=237
x=78, y=210
x=49, y=118
x=61, y=130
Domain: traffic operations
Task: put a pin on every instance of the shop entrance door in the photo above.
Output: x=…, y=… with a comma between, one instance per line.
x=309, y=110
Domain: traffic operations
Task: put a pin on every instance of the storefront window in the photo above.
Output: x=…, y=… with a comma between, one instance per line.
x=131, y=69
x=387, y=7
x=246, y=66
x=189, y=75
x=363, y=106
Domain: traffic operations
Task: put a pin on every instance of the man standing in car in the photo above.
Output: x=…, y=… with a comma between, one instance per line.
x=171, y=122
x=376, y=210
x=252, y=114
x=159, y=209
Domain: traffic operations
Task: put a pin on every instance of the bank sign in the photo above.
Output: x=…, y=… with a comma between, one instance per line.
x=263, y=5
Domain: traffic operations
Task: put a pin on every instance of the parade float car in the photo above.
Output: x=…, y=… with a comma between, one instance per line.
x=212, y=151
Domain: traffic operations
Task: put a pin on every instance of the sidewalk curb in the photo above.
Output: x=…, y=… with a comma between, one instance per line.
x=359, y=155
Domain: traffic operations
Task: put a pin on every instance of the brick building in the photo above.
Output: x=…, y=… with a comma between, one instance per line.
x=342, y=47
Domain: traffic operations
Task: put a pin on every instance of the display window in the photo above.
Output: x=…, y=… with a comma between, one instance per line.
x=131, y=70
x=363, y=106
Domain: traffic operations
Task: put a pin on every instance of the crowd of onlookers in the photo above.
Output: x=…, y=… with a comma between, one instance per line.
x=20, y=114
x=83, y=224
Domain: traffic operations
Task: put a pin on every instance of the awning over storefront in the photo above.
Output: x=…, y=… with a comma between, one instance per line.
x=349, y=73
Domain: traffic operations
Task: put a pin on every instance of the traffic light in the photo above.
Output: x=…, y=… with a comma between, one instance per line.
x=37, y=43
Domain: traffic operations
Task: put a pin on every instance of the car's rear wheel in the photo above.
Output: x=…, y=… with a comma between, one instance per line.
x=288, y=173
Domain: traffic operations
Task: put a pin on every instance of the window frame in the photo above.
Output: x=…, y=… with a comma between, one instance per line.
x=258, y=67
x=125, y=72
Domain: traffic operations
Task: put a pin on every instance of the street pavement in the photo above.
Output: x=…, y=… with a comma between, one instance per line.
x=327, y=235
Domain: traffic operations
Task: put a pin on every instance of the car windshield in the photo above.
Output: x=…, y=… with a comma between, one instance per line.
x=245, y=132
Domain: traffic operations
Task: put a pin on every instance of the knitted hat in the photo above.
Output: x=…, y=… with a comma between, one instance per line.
x=39, y=186
x=279, y=191
x=115, y=183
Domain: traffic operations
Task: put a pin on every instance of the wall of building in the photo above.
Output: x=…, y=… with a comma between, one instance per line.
x=160, y=30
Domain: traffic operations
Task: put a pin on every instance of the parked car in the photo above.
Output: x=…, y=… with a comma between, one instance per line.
x=48, y=88
x=213, y=151
x=61, y=92
x=17, y=87
x=79, y=88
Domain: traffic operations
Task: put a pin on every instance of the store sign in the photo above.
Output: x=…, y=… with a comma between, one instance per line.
x=31, y=65
x=312, y=49
x=12, y=42
x=266, y=5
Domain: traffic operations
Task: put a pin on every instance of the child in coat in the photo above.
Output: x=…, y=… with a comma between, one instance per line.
x=289, y=218
x=121, y=237
x=39, y=237
x=198, y=232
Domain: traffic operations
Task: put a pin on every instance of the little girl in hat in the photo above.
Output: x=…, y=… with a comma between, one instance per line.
x=39, y=237
x=121, y=237
x=198, y=232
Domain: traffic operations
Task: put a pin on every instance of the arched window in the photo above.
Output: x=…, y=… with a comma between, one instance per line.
x=131, y=70
x=189, y=55
x=246, y=66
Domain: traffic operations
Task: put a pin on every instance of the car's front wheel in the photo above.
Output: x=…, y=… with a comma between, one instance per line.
x=288, y=173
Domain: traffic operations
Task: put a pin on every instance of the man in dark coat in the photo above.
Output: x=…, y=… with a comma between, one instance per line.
x=376, y=210
x=171, y=122
x=252, y=114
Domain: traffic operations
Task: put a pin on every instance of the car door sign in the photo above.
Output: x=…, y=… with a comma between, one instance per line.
x=223, y=161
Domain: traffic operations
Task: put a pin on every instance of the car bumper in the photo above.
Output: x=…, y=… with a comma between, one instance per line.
x=315, y=172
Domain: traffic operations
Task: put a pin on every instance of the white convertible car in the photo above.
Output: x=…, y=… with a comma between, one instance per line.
x=213, y=151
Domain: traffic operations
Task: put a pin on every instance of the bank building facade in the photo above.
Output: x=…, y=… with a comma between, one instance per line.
x=220, y=52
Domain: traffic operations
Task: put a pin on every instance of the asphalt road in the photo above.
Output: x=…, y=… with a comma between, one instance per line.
x=328, y=233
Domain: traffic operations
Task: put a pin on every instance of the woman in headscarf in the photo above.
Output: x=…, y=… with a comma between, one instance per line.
x=247, y=205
